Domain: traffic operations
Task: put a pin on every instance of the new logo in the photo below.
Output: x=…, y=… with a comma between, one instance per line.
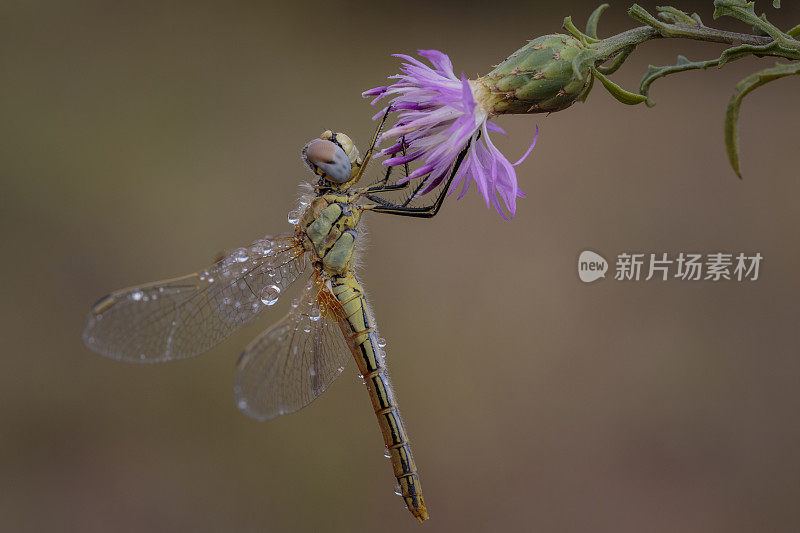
x=591, y=266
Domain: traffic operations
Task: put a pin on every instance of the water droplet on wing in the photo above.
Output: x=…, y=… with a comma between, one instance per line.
x=270, y=294
x=293, y=217
x=137, y=295
x=381, y=342
x=240, y=255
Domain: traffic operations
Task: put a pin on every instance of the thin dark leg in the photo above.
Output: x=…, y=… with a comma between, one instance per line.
x=430, y=211
x=368, y=153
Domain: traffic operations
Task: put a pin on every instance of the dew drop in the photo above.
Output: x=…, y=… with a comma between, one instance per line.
x=381, y=342
x=142, y=356
x=242, y=404
x=307, y=328
x=386, y=453
x=240, y=255
x=295, y=303
x=315, y=314
x=262, y=247
x=397, y=489
x=210, y=279
x=270, y=294
x=313, y=372
x=293, y=217
x=226, y=301
x=137, y=295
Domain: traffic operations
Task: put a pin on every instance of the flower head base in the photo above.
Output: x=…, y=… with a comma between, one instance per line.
x=439, y=116
x=540, y=77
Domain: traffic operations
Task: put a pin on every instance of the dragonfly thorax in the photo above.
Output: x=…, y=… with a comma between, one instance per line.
x=329, y=230
x=334, y=158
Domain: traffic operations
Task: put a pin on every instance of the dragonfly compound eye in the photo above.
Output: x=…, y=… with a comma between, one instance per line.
x=328, y=160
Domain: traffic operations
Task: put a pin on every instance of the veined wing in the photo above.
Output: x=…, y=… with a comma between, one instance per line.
x=294, y=361
x=186, y=316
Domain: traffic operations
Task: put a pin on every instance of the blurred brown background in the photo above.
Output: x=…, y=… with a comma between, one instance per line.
x=138, y=140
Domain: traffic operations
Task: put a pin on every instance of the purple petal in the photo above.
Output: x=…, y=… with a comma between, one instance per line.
x=491, y=126
x=528, y=151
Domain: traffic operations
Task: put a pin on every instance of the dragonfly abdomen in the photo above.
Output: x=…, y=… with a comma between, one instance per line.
x=358, y=327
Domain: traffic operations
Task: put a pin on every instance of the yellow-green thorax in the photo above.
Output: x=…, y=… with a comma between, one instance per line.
x=328, y=228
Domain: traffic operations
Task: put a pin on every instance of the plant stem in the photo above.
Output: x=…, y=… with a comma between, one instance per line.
x=611, y=46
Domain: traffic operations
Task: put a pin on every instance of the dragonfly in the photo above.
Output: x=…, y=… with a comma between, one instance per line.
x=298, y=357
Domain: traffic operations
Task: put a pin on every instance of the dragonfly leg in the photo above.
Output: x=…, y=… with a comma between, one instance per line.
x=423, y=212
x=371, y=149
x=389, y=169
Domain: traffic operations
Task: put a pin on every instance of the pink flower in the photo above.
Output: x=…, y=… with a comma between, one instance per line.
x=437, y=117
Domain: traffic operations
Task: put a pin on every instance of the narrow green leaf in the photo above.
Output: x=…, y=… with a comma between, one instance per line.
x=750, y=83
x=578, y=34
x=675, y=16
x=682, y=64
x=626, y=97
x=745, y=11
x=617, y=62
x=585, y=94
x=640, y=14
x=594, y=18
x=734, y=8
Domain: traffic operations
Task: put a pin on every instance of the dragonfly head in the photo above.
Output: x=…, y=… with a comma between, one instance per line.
x=334, y=158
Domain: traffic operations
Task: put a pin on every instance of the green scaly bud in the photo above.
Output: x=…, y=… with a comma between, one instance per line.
x=537, y=78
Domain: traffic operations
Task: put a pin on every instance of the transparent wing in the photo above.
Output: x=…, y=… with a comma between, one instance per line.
x=295, y=360
x=186, y=316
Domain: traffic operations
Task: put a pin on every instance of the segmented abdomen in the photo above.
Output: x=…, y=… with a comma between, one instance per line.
x=360, y=332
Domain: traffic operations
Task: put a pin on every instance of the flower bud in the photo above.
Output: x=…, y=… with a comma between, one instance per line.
x=537, y=78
